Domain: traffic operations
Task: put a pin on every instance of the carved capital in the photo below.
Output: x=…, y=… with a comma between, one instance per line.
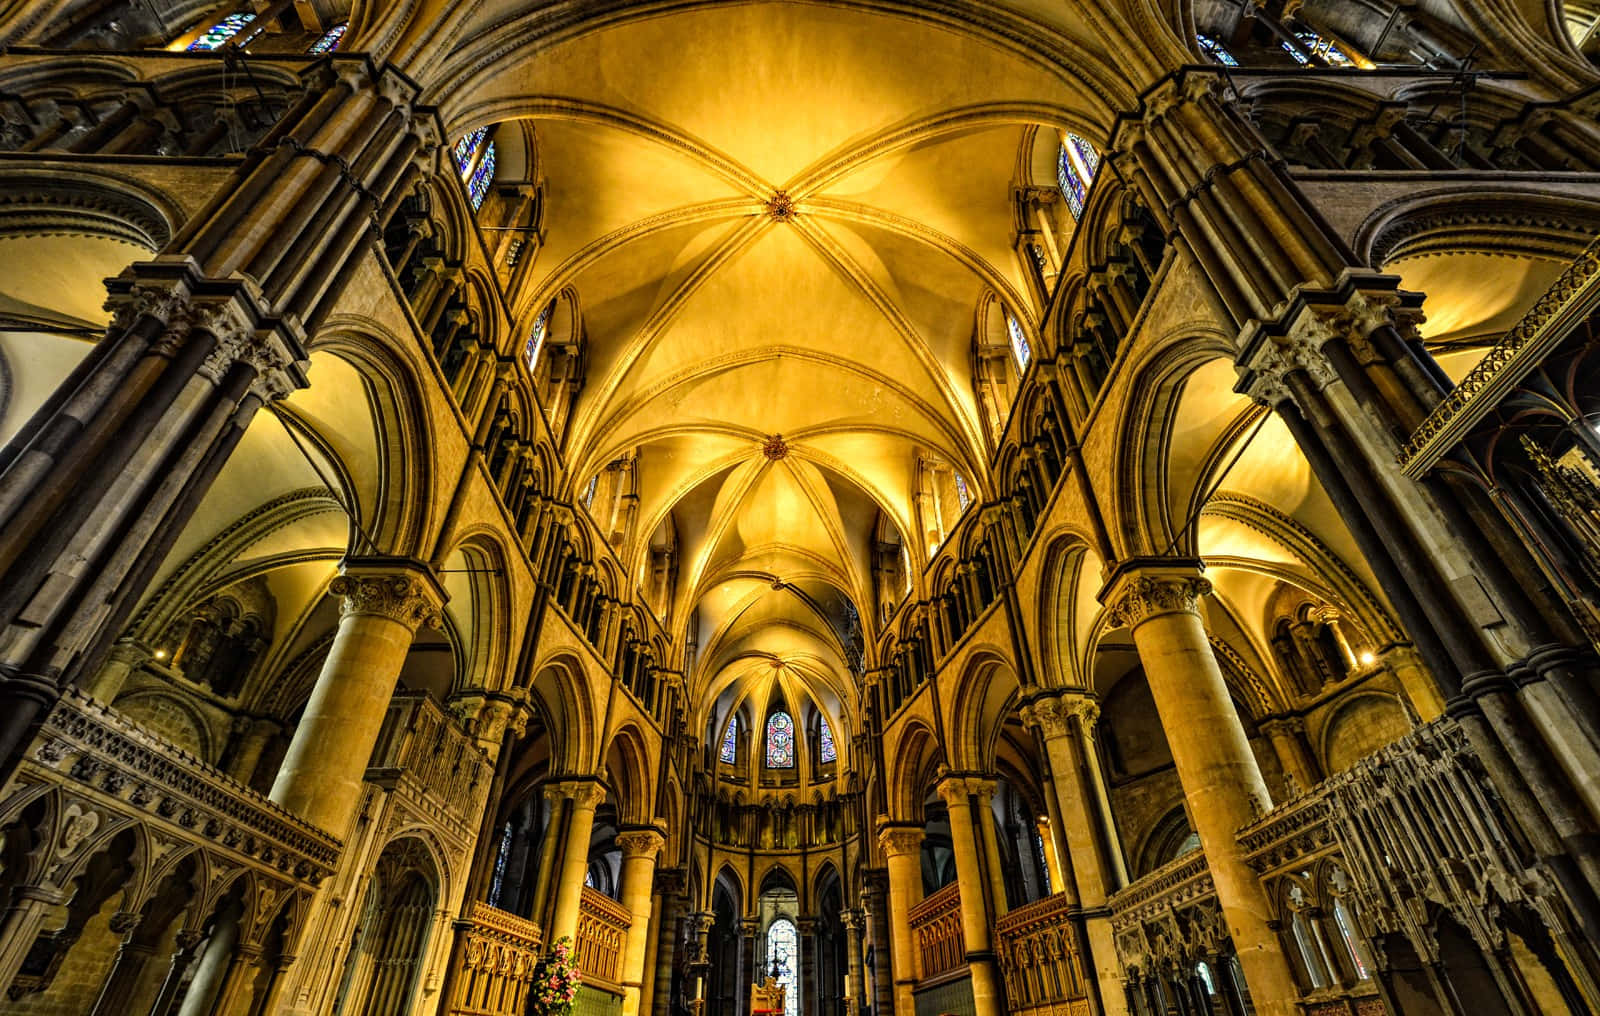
x=852, y=920
x=1294, y=726
x=582, y=793
x=1053, y=713
x=749, y=927
x=1142, y=589
x=405, y=597
x=640, y=843
x=955, y=790
x=897, y=841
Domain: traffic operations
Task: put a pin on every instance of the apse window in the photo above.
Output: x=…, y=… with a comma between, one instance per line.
x=730, y=743
x=1019, y=343
x=1075, y=169
x=329, y=41
x=826, y=751
x=780, y=741
x=219, y=34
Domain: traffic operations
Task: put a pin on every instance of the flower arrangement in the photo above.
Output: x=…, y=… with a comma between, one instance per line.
x=555, y=981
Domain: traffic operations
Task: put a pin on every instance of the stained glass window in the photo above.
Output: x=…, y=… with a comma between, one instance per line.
x=498, y=881
x=730, y=743
x=1216, y=51
x=478, y=186
x=329, y=41
x=783, y=954
x=541, y=327
x=1019, y=343
x=588, y=879
x=1319, y=47
x=780, y=741
x=828, y=753
x=218, y=34
x=467, y=150
x=963, y=495
x=588, y=494
x=1075, y=169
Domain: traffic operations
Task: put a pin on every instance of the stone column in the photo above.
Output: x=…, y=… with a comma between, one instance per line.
x=383, y=601
x=700, y=925
x=657, y=996
x=966, y=797
x=253, y=740
x=878, y=908
x=639, y=850
x=1066, y=723
x=1159, y=601
x=749, y=971
x=855, y=985
x=584, y=796
x=125, y=658
x=1288, y=737
x=902, y=852
x=806, y=977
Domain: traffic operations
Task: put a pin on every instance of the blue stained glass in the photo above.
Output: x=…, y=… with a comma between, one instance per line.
x=1216, y=51
x=1075, y=169
x=588, y=495
x=1319, y=47
x=783, y=954
x=541, y=328
x=829, y=753
x=478, y=186
x=1019, y=343
x=467, y=148
x=730, y=743
x=780, y=741
x=963, y=495
x=329, y=41
x=218, y=34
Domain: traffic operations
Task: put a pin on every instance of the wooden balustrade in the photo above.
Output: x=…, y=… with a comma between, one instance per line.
x=495, y=957
x=936, y=927
x=1041, y=959
x=602, y=931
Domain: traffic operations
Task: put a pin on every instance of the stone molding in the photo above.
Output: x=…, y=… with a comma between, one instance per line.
x=1150, y=587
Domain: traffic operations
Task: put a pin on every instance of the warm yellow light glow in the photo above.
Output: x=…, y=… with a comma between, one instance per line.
x=161, y=654
x=1367, y=659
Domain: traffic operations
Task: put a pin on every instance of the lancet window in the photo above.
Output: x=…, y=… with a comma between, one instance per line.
x=730, y=743
x=1075, y=169
x=826, y=750
x=220, y=33
x=1019, y=343
x=1322, y=49
x=780, y=741
x=536, y=337
x=475, y=161
x=783, y=955
x=963, y=495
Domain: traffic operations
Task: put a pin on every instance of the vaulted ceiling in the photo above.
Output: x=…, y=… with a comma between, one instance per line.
x=780, y=219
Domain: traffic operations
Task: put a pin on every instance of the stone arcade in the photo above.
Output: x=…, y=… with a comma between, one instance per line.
x=831, y=507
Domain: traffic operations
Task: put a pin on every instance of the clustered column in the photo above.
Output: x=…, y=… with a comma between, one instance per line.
x=1087, y=849
x=1159, y=601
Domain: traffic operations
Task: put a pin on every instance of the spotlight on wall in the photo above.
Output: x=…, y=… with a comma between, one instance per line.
x=1367, y=659
x=161, y=654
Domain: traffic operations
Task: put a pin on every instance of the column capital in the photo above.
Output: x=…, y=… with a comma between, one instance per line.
x=749, y=927
x=1282, y=725
x=640, y=843
x=955, y=789
x=1053, y=711
x=896, y=840
x=853, y=920
x=702, y=921
x=670, y=881
x=400, y=589
x=584, y=792
x=806, y=925
x=1146, y=587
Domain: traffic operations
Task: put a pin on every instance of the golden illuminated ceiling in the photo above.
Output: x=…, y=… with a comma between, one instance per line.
x=672, y=149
